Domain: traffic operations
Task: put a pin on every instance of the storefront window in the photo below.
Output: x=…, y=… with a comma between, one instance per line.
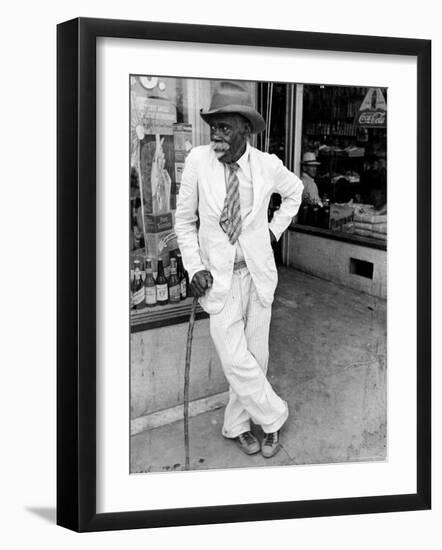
x=335, y=137
x=164, y=126
x=344, y=154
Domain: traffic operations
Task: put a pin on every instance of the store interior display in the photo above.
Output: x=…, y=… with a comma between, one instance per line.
x=345, y=127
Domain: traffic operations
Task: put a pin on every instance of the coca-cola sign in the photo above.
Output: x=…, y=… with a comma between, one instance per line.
x=372, y=119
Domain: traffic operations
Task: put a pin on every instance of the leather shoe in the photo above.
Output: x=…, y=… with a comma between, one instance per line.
x=248, y=443
x=270, y=444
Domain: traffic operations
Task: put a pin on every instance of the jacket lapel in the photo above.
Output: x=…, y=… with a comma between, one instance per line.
x=258, y=183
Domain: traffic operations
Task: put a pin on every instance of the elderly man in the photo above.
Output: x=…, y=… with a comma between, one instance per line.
x=226, y=187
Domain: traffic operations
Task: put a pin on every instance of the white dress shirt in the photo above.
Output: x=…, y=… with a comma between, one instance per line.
x=310, y=192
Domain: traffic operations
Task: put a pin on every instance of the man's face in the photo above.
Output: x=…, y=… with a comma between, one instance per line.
x=228, y=136
x=311, y=170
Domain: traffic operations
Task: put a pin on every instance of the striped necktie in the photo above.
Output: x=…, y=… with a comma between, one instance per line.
x=230, y=220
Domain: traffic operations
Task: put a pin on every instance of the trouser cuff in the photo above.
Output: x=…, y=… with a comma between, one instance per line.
x=277, y=424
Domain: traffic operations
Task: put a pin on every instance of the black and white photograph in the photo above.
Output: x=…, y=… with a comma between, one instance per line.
x=225, y=219
x=257, y=274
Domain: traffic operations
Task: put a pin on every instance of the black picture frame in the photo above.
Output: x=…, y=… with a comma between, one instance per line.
x=76, y=273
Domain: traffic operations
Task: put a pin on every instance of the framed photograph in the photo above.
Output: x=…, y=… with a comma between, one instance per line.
x=243, y=274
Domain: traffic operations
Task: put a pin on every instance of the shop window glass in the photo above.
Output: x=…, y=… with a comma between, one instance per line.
x=344, y=140
x=164, y=126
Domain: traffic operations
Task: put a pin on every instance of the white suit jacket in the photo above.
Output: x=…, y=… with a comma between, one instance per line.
x=201, y=197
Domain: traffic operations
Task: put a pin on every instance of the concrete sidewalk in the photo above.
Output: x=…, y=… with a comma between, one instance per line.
x=327, y=360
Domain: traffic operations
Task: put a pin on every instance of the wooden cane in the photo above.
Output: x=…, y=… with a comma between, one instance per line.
x=186, y=381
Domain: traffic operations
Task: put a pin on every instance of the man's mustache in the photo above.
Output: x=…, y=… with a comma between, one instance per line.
x=219, y=146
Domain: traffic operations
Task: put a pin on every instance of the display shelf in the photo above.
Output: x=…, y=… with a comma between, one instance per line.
x=369, y=242
x=160, y=316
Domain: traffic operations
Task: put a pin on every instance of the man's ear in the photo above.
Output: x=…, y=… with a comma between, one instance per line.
x=247, y=127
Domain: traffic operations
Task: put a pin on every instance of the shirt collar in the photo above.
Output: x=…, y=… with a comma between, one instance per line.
x=243, y=161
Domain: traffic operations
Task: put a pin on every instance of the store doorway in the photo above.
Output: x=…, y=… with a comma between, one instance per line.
x=276, y=104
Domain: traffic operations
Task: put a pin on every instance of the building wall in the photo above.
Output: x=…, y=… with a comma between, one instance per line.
x=157, y=367
x=330, y=259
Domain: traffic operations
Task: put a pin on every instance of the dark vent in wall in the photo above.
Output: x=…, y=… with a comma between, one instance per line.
x=361, y=268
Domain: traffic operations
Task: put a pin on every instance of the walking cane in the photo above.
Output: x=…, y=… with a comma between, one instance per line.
x=186, y=381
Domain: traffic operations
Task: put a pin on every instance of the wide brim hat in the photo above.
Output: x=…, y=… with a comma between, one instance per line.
x=234, y=98
x=309, y=159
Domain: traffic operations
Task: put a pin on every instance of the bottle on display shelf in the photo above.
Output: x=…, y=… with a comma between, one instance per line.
x=303, y=213
x=182, y=277
x=137, y=287
x=315, y=215
x=326, y=214
x=161, y=285
x=174, y=283
x=150, y=289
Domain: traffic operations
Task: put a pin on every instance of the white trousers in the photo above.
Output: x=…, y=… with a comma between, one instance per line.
x=240, y=332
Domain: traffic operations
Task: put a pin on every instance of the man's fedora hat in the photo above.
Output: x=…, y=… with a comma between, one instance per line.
x=233, y=97
x=309, y=159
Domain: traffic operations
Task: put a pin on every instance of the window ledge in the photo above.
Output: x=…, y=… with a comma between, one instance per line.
x=340, y=236
x=161, y=316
